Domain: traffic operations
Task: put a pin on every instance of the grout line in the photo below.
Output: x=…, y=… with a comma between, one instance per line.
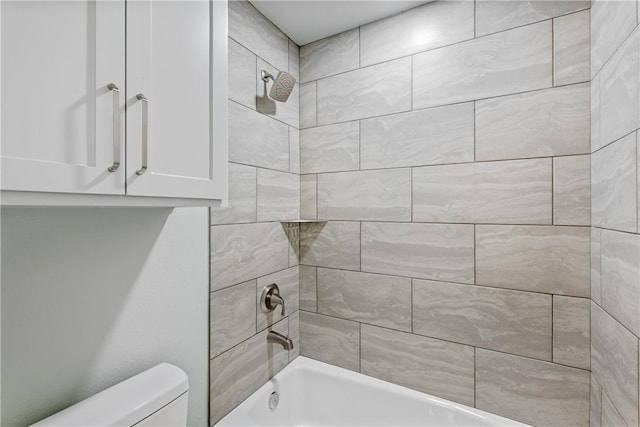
x=441, y=281
x=449, y=341
x=476, y=37
x=614, y=53
x=466, y=101
x=531, y=159
x=608, y=144
x=272, y=117
x=616, y=320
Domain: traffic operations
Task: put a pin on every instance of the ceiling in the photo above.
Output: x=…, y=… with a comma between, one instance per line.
x=305, y=21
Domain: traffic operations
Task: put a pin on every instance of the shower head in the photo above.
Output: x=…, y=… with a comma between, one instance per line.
x=282, y=85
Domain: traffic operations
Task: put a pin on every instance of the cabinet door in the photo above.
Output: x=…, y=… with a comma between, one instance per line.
x=177, y=85
x=58, y=59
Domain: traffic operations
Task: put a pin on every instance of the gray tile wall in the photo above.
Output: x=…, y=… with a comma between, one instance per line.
x=615, y=239
x=250, y=248
x=449, y=149
x=455, y=171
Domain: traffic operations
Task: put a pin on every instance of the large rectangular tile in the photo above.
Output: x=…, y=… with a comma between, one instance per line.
x=307, y=105
x=330, y=340
x=432, y=366
x=425, y=27
x=509, y=192
x=532, y=391
x=287, y=112
x=425, y=137
x=614, y=362
x=571, y=48
x=571, y=331
x=332, y=244
x=329, y=56
x=510, y=321
x=383, y=195
x=540, y=259
x=427, y=251
x=232, y=320
x=308, y=197
x=237, y=373
x=611, y=23
x=365, y=297
x=610, y=415
x=258, y=140
x=620, y=275
x=278, y=195
x=246, y=251
x=613, y=185
x=372, y=91
x=308, y=288
x=242, y=197
x=550, y=122
x=330, y=148
x=500, y=64
x=498, y=15
x=242, y=66
x=572, y=190
x=620, y=90
x=251, y=29
x=288, y=282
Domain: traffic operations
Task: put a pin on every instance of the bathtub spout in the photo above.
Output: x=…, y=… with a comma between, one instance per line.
x=285, y=342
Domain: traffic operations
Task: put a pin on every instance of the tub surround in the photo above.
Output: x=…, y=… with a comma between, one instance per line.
x=453, y=169
x=250, y=248
x=615, y=242
x=479, y=187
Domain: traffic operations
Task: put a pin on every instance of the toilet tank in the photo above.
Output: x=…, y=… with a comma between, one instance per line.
x=155, y=397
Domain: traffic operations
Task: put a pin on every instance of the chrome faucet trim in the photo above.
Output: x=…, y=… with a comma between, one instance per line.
x=276, y=338
x=271, y=299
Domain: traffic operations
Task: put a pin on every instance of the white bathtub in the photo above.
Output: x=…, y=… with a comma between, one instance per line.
x=313, y=393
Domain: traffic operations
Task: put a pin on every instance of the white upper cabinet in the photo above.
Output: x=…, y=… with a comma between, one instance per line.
x=57, y=113
x=75, y=119
x=175, y=50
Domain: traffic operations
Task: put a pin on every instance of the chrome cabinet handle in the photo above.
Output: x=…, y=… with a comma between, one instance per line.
x=145, y=132
x=116, y=127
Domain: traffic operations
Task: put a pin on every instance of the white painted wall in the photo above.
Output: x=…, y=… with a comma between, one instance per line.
x=92, y=296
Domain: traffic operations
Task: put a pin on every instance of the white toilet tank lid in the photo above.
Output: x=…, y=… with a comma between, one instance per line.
x=125, y=403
